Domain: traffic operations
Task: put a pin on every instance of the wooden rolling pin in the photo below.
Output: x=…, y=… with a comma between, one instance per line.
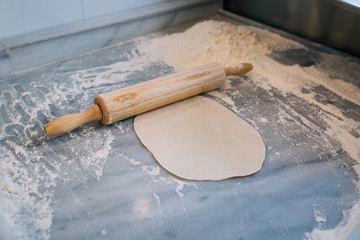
x=129, y=101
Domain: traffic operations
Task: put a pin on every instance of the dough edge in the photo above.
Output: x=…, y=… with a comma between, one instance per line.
x=137, y=120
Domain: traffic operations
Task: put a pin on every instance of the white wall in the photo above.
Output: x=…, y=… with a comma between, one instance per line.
x=353, y=2
x=23, y=16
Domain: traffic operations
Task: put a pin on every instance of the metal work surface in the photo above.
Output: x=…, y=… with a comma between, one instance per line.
x=99, y=182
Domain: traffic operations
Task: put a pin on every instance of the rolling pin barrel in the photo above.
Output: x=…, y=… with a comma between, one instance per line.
x=139, y=98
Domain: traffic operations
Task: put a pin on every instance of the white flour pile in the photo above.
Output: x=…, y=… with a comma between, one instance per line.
x=28, y=176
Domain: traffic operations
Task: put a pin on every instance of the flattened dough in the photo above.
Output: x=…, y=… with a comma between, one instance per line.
x=200, y=139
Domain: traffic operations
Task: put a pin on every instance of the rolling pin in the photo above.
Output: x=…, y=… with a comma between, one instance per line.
x=120, y=104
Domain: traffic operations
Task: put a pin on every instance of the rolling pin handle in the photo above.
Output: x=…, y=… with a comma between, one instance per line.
x=238, y=69
x=70, y=122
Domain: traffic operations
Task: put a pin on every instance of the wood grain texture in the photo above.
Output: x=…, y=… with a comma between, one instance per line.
x=139, y=98
x=142, y=97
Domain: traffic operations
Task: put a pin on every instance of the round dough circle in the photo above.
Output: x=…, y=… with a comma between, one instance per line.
x=200, y=139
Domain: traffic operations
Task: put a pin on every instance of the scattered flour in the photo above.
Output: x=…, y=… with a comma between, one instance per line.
x=264, y=120
x=319, y=216
x=180, y=186
x=350, y=221
x=94, y=159
x=156, y=176
x=30, y=165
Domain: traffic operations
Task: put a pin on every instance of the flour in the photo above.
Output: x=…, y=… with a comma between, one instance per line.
x=157, y=177
x=175, y=135
x=213, y=41
x=180, y=186
x=94, y=159
x=343, y=230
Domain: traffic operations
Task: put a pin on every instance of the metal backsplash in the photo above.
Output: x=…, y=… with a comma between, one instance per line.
x=331, y=22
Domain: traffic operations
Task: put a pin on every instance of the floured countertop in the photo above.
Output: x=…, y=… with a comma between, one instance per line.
x=99, y=182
